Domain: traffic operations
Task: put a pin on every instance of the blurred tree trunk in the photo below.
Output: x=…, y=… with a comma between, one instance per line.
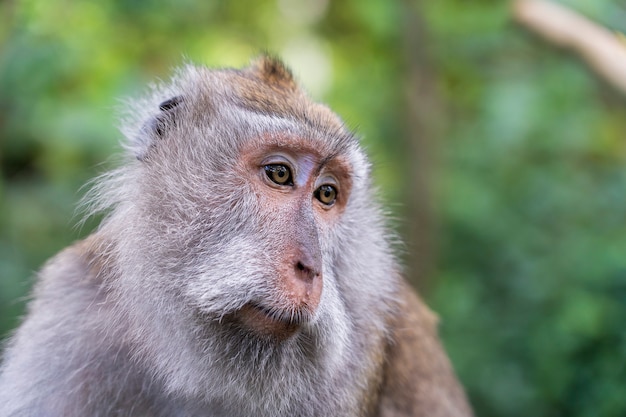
x=423, y=111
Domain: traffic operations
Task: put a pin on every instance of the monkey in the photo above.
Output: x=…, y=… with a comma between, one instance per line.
x=244, y=267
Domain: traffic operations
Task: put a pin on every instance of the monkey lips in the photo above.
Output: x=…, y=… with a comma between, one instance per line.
x=272, y=322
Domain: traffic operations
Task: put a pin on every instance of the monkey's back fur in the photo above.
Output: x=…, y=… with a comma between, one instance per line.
x=243, y=269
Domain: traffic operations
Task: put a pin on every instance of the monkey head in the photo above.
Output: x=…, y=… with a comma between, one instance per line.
x=247, y=211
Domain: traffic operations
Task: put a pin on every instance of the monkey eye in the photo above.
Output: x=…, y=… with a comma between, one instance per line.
x=327, y=194
x=279, y=174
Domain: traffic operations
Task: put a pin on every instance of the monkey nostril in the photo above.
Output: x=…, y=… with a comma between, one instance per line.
x=305, y=272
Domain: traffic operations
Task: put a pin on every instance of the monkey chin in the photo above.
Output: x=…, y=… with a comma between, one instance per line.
x=270, y=323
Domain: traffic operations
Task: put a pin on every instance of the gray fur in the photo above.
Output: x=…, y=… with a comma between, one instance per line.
x=131, y=322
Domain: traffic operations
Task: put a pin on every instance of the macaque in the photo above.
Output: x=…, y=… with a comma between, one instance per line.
x=243, y=268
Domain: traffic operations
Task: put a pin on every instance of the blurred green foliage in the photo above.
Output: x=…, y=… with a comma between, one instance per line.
x=529, y=185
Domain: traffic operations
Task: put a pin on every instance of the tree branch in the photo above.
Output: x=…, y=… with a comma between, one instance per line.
x=602, y=49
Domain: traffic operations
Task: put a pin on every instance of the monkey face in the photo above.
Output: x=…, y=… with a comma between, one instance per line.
x=251, y=231
x=300, y=194
x=285, y=201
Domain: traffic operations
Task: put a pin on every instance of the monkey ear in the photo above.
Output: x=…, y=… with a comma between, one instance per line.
x=157, y=126
x=171, y=103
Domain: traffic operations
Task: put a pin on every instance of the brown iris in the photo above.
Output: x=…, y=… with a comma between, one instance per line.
x=327, y=194
x=279, y=174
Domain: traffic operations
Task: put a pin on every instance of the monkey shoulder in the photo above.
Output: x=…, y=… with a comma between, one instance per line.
x=69, y=296
x=418, y=379
x=75, y=271
x=60, y=349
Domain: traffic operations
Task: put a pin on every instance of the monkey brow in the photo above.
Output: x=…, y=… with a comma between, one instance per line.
x=325, y=161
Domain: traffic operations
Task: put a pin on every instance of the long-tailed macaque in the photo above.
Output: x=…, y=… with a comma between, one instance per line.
x=243, y=269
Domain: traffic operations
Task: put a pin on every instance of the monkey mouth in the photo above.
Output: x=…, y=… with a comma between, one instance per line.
x=275, y=323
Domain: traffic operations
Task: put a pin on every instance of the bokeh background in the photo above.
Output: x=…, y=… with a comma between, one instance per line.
x=502, y=161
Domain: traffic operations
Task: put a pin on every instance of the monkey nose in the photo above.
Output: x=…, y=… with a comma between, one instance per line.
x=305, y=283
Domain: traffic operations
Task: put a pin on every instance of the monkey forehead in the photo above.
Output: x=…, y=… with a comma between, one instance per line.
x=268, y=87
x=292, y=104
x=295, y=142
x=254, y=105
x=265, y=87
